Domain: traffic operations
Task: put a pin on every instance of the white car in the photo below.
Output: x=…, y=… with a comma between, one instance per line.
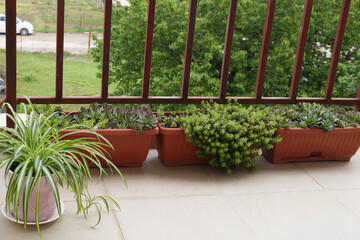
x=22, y=27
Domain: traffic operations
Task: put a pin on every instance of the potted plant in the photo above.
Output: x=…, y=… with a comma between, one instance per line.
x=171, y=144
x=128, y=129
x=230, y=133
x=37, y=160
x=313, y=132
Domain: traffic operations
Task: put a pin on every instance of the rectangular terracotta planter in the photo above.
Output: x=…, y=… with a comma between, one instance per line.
x=130, y=148
x=304, y=144
x=174, y=150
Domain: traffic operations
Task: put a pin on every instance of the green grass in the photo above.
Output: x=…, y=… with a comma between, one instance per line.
x=36, y=75
x=42, y=14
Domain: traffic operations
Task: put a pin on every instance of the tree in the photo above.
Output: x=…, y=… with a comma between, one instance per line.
x=128, y=42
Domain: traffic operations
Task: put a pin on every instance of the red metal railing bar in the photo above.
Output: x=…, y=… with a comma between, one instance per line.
x=10, y=11
x=189, y=49
x=337, y=48
x=189, y=100
x=64, y=100
x=60, y=49
x=300, y=48
x=286, y=100
x=227, y=50
x=2, y=100
x=358, y=97
x=148, y=48
x=184, y=98
x=106, y=50
x=265, y=48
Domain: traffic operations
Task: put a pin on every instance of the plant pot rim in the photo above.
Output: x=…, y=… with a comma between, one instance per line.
x=316, y=130
x=116, y=131
x=172, y=131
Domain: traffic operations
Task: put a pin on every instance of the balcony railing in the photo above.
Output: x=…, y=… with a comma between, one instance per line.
x=258, y=98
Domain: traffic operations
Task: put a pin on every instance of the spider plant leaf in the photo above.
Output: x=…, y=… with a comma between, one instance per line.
x=39, y=151
x=37, y=209
x=26, y=194
x=54, y=187
x=19, y=184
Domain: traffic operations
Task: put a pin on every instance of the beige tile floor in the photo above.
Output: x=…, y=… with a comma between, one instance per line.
x=312, y=201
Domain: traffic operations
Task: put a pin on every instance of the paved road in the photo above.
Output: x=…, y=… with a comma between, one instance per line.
x=75, y=43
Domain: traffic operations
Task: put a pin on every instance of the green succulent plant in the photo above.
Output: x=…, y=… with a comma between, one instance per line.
x=35, y=149
x=312, y=115
x=230, y=133
x=105, y=116
x=171, y=119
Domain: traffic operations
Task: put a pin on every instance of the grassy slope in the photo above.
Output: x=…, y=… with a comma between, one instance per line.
x=36, y=75
x=36, y=11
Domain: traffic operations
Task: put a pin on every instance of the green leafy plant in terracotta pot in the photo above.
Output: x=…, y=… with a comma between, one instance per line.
x=231, y=133
x=38, y=160
x=313, y=132
x=129, y=129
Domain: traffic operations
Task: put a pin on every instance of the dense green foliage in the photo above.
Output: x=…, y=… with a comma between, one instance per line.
x=79, y=75
x=128, y=42
x=34, y=149
x=172, y=119
x=231, y=133
x=307, y=115
x=104, y=116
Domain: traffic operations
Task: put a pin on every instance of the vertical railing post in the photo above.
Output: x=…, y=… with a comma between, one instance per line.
x=106, y=51
x=264, y=48
x=227, y=50
x=189, y=49
x=357, y=106
x=148, y=49
x=300, y=49
x=60, y=49
x=10, y=13
x=335, y=56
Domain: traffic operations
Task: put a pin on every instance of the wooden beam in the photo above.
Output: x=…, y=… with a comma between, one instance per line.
x=227, y=49
x=10, y=11
x=189, y=49
x=300, y=49
x=148, y=49
x=106, y=50
x=337, y=48
x=60, y=49
x=265, y=48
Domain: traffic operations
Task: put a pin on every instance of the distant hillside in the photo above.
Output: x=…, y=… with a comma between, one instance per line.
x=79, y=14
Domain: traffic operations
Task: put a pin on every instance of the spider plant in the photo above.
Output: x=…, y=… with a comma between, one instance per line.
x=34, y=149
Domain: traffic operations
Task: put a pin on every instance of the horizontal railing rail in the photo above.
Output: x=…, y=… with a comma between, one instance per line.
x=184, y=98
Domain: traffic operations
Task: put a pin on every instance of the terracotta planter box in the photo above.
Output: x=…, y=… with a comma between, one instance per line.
x=174, y=150
x=130, y=148
x=304, y=144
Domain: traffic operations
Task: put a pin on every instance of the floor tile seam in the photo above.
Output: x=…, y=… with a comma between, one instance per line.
x=113, y=213
x=343, y=188
x=313, y=178
x=207, y=175
x=253, y=231
x=112, y=210
x=217, y=195
x=343, y=205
